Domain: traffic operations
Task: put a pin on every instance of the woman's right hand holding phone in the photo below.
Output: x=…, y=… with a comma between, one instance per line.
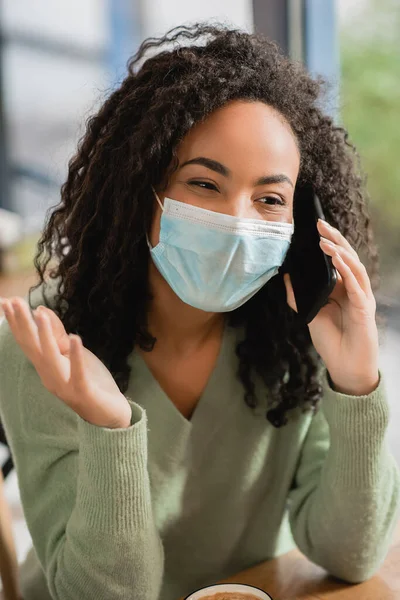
x=66, y=368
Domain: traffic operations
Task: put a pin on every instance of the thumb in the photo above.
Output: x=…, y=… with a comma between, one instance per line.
x=289, y=292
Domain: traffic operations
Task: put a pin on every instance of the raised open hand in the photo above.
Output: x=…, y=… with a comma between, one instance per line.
x=66, y=368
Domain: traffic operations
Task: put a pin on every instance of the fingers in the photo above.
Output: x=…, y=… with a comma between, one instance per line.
x=39, y=337
x=353, y=289
x=352, y=260
x=334, y=235
x=346, y=251
x=347, y=262
x=50, y=349
x=58, y=329
x=23, y=326
x=35, y=336
x=78, y=375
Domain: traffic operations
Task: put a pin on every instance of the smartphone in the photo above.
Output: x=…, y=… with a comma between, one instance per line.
x=311, y=271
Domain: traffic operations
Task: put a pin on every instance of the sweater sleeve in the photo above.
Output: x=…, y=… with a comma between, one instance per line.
x=345, y=502
x=85, y=490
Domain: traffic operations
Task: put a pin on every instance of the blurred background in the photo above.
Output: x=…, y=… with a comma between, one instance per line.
x=60, y=59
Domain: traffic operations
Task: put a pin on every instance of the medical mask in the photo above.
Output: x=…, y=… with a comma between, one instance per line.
x=213, y=261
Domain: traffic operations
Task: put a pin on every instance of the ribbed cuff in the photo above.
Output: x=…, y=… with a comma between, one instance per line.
x=357, y=426
x=113, y=483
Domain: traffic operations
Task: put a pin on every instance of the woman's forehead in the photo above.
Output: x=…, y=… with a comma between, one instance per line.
x=243, y=134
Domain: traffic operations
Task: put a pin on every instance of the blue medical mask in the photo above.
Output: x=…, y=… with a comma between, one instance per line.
x=216, y=262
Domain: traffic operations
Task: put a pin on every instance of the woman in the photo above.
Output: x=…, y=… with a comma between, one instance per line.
x=146, y=465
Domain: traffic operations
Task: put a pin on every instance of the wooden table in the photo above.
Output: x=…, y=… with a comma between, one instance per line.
x=293, y=577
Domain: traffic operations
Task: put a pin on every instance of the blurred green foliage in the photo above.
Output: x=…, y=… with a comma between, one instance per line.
x=370, y=111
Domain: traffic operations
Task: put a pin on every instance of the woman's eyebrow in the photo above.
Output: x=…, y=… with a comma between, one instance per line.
x=281, y=178
x=214, y=165
x=218, y=167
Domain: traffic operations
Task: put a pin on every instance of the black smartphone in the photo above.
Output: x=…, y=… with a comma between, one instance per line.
x=311, y=271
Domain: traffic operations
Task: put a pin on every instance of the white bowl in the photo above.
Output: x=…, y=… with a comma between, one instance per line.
x=228, y=587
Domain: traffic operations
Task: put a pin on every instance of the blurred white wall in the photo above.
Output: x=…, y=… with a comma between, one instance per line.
x=48, y=97
x=160, y=15
x=83, y=23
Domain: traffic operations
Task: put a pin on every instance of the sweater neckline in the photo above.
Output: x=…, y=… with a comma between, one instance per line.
x=171, y=412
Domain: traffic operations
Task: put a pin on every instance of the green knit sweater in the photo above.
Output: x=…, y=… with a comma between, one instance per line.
x=168, y=505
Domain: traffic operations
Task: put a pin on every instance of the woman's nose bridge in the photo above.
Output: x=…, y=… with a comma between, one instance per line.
x=238, y=204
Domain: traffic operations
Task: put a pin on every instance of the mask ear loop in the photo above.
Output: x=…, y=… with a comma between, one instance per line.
x=162, y=208
x=158, y=199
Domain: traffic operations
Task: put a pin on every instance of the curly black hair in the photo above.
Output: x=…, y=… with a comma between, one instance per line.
x=96, y=234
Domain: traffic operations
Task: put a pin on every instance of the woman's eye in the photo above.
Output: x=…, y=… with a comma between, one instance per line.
x=205, y=185
x=271, y=200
